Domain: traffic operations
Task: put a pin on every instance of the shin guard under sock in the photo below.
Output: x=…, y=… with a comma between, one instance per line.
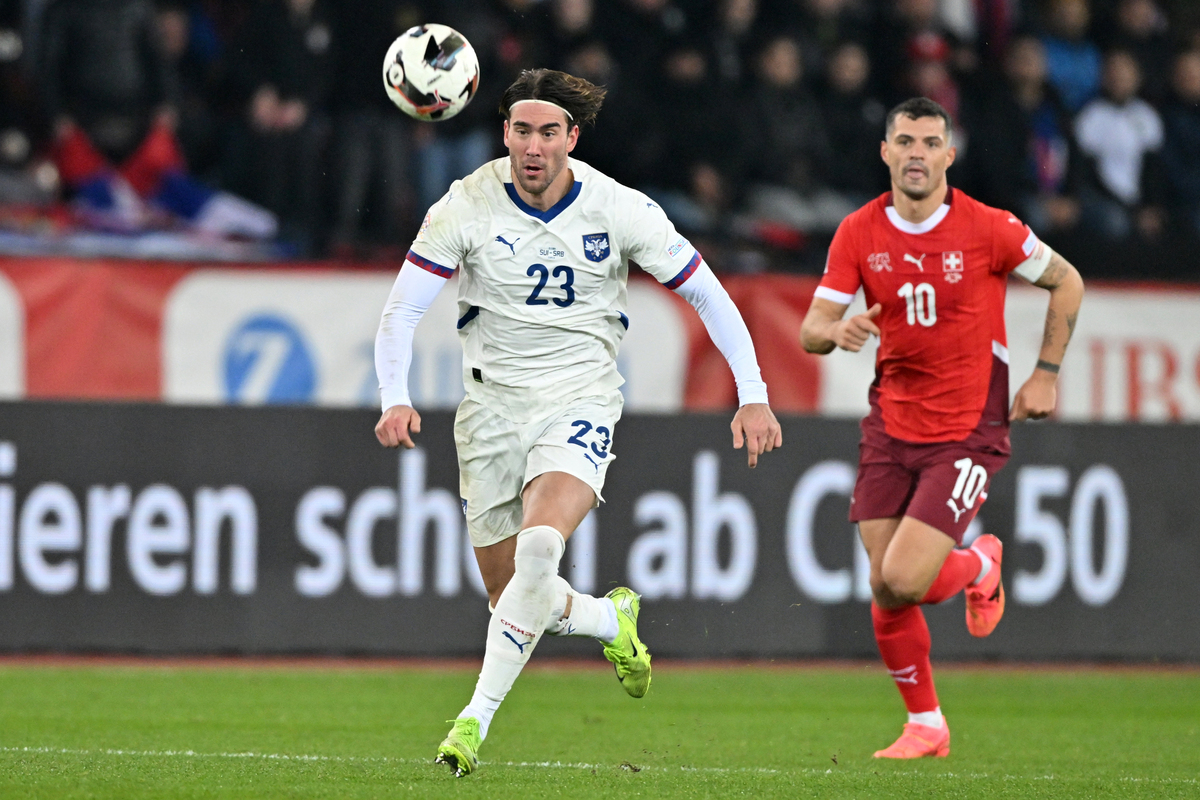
x=520, y=617
x=903, y=639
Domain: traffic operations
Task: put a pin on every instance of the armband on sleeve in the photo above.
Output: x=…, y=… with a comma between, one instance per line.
x=411, y=296
x=1039, y=254
x=728, y=331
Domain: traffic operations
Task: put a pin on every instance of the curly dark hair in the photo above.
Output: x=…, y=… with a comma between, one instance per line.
x=916, y=108
x=581, y=98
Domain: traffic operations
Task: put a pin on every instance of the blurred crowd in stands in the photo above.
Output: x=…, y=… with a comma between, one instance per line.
x=755, y=123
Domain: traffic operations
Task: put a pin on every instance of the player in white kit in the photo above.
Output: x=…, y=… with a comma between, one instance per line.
x=544, y=243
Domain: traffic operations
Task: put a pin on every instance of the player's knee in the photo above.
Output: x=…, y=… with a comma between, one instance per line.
x=538, y=552
x=899, y=584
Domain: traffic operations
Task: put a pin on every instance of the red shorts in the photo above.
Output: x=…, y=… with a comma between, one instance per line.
x=941, y=484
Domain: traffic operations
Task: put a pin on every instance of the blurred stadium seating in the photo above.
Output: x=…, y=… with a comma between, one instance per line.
x=251, y=130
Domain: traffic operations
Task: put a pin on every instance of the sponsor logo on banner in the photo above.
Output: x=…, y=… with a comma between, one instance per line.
x=257, y=337
x=267, y=361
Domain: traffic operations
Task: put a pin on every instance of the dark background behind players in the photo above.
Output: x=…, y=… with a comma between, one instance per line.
x=747, y=117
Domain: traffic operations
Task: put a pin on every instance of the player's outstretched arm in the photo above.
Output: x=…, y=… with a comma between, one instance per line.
x=397, y=425
x=1037, y=397
x=824, y=329
x=755, y=425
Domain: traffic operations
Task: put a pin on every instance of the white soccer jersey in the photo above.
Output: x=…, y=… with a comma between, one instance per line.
x=542, y=295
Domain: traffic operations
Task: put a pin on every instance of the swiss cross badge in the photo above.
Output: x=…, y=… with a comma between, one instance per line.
x=952, y=266
x=878, y=262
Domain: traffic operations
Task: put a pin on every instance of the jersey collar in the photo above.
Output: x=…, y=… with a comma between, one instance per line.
x=925, y=226
x=550, y=213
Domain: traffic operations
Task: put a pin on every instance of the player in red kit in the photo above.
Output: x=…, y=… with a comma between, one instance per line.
x=934, y=265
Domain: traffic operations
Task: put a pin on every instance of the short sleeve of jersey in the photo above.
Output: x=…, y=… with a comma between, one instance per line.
x=1016, y=248
x=443, y=240
x=655, y=245
x=843, y=276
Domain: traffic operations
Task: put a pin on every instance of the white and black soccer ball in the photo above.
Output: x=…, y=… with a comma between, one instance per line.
x=431, y=72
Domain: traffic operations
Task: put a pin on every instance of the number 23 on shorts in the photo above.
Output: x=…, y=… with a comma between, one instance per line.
x=603, y=438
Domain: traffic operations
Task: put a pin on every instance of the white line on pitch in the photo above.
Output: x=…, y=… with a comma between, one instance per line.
x=539, y=764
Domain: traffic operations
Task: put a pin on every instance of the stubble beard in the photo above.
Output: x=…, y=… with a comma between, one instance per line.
x=541, y=184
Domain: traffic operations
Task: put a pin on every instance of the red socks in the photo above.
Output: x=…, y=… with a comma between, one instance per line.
x=903, y=639
x=903, y=636
x=958, y=570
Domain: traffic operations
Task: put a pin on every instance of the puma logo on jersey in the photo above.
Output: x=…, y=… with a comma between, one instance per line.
x=512, y=247
x=957, y=511
x=918, y=261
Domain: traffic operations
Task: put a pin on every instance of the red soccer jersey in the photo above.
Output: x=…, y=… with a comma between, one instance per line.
x=941, y=285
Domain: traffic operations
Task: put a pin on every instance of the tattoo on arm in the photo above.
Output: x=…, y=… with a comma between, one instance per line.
x=1048, y=335
x=1046, y=365
x=1055, y=272
x=1071, y=324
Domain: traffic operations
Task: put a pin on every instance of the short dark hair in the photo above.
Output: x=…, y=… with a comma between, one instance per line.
x=580, y=98
x=916, y=108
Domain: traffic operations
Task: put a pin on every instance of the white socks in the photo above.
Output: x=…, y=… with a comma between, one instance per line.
x=933, y=719
x=590, y=616
x=521, y=615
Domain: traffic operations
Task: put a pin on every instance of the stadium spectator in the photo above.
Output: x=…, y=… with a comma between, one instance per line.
x=732, y=34
x=624, y=120
x=1141, y=29
x=114, y=102
x=573, y=24
x=697, y=169
x=787, y=147
x=284, y=70
x=642, y=30
x=1122, y=134
x=193, y=51
x=18, y=183
x=1026, y=161
x=854, y=119
x=1181, y=140
x=820, y=26
x=915, y=50
x=373, y=140
x=458, y=146
x=1072, y=59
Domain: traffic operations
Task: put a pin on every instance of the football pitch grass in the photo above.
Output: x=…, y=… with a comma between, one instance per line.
x=167, y=729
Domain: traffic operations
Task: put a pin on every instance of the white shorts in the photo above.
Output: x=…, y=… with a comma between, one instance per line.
x=498, y=458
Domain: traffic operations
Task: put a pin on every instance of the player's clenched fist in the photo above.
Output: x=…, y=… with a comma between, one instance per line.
x=1036, y=398
x=397, y=425
x=851, y=334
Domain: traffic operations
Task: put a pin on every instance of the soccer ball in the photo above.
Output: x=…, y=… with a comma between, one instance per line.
x=431, y=72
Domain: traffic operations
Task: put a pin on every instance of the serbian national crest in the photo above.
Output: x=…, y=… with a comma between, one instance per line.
x=595, y=246
x=878, y=262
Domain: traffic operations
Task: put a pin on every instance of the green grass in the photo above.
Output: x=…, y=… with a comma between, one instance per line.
x=310, y=732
